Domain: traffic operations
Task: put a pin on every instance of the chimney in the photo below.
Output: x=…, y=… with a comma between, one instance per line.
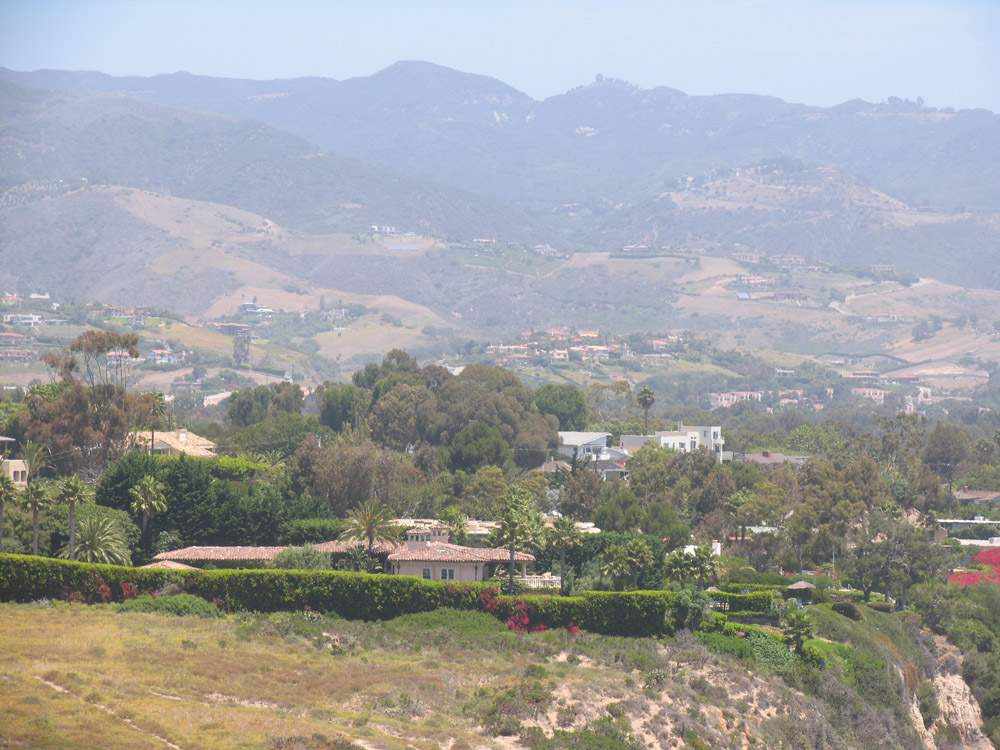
x=182, y=436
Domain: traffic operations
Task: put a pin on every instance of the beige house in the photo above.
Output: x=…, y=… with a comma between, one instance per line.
x=443, y=561
x=175, y=443
x=15, y=470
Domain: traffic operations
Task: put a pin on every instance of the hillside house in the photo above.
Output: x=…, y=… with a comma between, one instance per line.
x=872, y=394
x=174, y=443
x=582, y=445
x=15, y=470
x=443, y=561
x=685, y=439
x=729, y=399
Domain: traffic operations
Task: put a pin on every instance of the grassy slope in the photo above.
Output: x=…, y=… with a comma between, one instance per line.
x=76, y=676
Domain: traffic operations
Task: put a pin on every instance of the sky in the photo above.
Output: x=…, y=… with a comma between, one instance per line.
x=813, y=51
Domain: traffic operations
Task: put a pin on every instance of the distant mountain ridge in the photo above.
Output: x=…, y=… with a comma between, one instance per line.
x=460, y=156
x=603, y=141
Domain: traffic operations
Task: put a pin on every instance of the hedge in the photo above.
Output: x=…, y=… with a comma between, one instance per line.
x=755, y=602
x=352, y=595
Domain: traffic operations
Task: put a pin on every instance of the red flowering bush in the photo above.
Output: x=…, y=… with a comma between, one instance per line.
x=489, y=600
x=989, y=556
x=129, y=590
x=104, y=591
x=573, y=629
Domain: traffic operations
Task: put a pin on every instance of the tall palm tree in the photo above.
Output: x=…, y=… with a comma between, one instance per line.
x=645, y=398
x=35, y=457
x=563, y=537
x=35, y=499
x=519, y=526
x=149, y=497
x=8, y=492
x=369, y=523
x=99, y=540
x=73, y=491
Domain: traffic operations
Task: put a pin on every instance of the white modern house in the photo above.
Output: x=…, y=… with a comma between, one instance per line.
x=583, y=445
x=685, y=439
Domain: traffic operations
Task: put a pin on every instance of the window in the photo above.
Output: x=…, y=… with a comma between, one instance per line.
x=427, y=573
x=447, y=574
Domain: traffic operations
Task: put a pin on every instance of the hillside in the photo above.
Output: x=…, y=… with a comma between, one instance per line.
x=118, y=140
x=445, y=153
x=442, y=679
x=593, y=142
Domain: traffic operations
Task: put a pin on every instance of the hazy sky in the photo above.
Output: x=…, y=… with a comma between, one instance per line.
x=814, y=51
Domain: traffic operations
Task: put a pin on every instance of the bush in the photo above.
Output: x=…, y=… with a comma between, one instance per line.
x=183, y=605
x=725, y=644
x=755, y=602
x=310, y=530
x=847, y=609
x=881, y=606
x=302, y=558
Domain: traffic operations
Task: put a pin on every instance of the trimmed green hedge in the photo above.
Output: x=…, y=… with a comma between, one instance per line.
x=756, y=602
x=351, y=595
x=640, y=613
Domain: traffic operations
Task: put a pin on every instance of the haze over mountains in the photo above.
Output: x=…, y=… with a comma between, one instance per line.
x=454, y=155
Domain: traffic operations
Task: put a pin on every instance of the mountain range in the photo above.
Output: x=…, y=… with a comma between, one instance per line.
x=457, y=156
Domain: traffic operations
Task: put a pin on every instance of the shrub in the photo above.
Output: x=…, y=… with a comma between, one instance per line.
x=847, y=609
x=183, y=605
x=755, y=602
x=310, y=530
x=725, y=644
x=880, y=606
x=302, y=558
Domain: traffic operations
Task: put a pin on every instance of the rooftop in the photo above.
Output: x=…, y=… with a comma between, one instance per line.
x=446, y=552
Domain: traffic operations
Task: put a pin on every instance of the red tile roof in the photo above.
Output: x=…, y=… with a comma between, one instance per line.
x=250, y=554
x=168, y=565
x=340, y=548
x=445, y=552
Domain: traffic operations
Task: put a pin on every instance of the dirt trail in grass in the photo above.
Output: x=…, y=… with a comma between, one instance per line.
x=110, y=712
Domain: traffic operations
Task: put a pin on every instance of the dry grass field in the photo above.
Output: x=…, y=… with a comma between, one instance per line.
x=89, y=676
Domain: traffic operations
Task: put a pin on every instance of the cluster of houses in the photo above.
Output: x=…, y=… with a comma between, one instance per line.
x=611, y=461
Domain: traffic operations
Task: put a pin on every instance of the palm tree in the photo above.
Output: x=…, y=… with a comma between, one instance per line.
x=645, y=399
x=99, y=540
x=563, y=537
x=35, y=458
x=149, y=497
x=35, y=498
x=519, y=526
x=8, y=492
x=73, y=491
x=369, y=523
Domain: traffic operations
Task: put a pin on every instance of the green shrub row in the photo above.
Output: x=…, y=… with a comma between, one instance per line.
x=611, y=613
x=758, y=602
x=183, y=605
x=351, y=595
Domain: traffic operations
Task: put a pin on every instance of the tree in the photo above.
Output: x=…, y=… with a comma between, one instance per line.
x=342, y=405
x=795, y=625
x=35, y=458
x=35, y=499
x=699, y=566
x=563, y=537
x=645, y=398
x=149, y=497
x=457, y=523
x=519, y=527
x=72, y=491
x=302, y=558
x=8, y=493
x=623, y=563
x=99, y=540
x=477, y=445
x=369, y=523
x=947, y=447
x=565, y=402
